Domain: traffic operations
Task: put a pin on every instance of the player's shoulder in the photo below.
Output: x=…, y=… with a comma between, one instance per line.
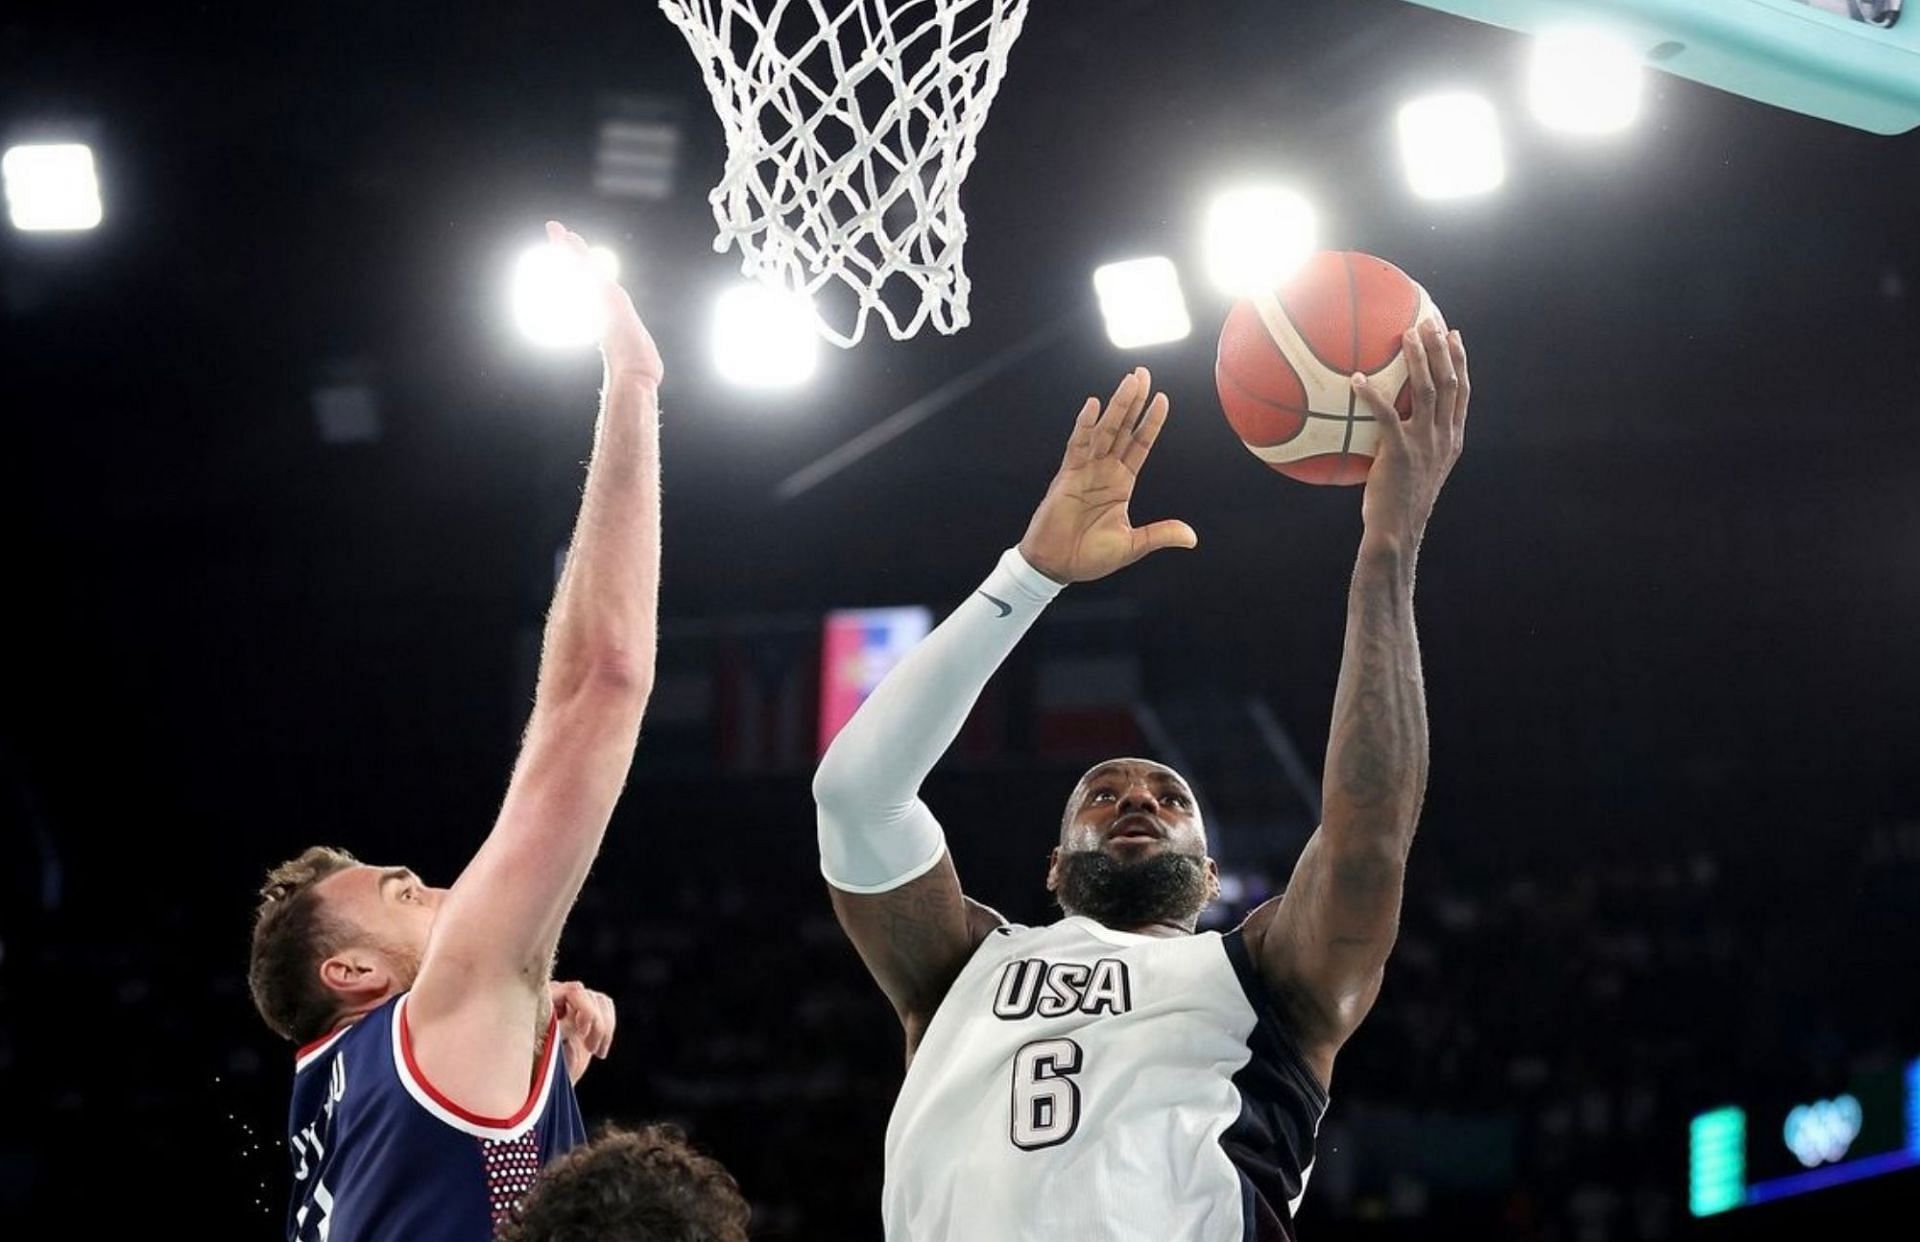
x=983, y=921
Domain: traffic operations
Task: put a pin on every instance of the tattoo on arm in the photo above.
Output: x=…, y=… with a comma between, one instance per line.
x=1364, y=773
x=914, y=939
x=916, y=916
x=1380, y=735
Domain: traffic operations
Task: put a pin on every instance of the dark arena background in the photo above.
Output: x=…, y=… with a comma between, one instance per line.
x=285, y=486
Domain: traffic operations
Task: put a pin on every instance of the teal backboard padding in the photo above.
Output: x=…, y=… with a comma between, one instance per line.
x=1780, y=52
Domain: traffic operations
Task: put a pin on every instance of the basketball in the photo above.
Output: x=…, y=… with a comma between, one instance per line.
x=1285, y=358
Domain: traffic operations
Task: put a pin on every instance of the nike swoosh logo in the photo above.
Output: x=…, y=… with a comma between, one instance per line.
x=1001, y=604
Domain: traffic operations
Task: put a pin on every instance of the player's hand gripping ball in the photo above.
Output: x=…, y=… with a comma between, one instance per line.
x=1287, y=357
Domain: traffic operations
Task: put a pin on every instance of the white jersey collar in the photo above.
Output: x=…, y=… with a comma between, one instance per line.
x=1100, y=931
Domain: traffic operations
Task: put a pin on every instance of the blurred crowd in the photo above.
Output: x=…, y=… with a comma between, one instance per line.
x=1556, y=1011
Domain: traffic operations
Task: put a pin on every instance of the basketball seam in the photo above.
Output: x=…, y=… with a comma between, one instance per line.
x=1353, y=325
x=1283, y=407
x=1353, y=299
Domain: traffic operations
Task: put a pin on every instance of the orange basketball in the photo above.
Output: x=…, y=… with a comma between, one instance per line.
x=1285, y=358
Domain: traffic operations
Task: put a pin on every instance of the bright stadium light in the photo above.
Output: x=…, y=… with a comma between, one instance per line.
x=1141, y=301
x=1584, y=82
x=51, y=187
x=1450, y=144
x=765, y=337
x=556, y=301
x=1257, y=237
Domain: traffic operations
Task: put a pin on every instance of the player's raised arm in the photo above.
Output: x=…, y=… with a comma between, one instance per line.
x=881, y=850
x=484, y=978
x=1325, y=944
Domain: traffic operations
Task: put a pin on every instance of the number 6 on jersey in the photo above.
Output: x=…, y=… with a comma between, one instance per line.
x=1046, y=1101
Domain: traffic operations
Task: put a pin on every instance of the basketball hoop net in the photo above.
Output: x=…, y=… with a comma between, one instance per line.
x=850, y=125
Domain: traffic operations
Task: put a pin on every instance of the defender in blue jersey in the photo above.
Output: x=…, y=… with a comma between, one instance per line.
x=435, y=1076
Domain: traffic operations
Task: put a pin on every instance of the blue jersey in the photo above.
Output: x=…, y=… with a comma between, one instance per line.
x=379, y=1155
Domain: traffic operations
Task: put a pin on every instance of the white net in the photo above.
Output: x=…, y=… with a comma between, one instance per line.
x=850, y=125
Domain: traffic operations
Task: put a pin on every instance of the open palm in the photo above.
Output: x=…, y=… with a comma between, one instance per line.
x=1081, y=531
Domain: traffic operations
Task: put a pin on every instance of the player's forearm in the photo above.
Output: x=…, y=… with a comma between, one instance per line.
x=601, y=630
x=596, y=671
x=1377, y=754
x=871, y=775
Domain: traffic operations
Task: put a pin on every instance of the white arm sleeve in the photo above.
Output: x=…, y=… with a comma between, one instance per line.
x=875, y=833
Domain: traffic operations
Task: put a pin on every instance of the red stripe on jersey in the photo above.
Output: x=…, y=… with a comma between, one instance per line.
x=540, y=1078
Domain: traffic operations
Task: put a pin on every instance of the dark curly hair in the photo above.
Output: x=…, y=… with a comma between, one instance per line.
x=645, y=1185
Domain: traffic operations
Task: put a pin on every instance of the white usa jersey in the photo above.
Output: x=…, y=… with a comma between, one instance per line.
x=1080, y=1084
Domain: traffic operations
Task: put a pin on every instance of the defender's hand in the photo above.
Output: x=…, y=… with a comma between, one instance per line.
x=625, y=342
x=586, y=1024
x=1416, y=455
x=1081, y=530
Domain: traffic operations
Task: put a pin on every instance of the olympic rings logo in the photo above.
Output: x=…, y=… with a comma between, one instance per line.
x=1821, y=1133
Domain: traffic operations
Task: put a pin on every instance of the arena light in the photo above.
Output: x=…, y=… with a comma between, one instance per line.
x=764, y=337
x=1584, y=82
x=1257, y=236
x=51, y=187
x=1140, y=300
x=1450, y=145
x=556, y=301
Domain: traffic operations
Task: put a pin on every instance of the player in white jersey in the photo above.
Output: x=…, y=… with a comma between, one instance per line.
x=1117, y=1075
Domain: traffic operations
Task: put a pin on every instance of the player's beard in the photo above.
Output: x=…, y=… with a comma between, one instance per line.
x=1165, y=888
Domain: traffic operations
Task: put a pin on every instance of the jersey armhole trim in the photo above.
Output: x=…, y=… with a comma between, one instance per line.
x=429, y=1097
x=1268, y=1013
